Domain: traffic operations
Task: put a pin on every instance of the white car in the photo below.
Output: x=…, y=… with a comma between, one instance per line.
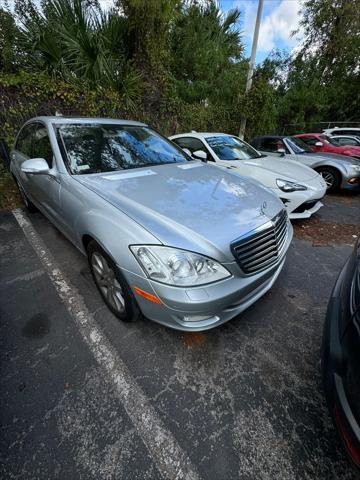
x=342, y=131
x=298, y=186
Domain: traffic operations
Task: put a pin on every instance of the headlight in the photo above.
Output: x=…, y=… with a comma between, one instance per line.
x=287, y=186
x=355, y=167
x=178, y=267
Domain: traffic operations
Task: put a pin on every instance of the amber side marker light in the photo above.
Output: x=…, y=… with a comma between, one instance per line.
x=147, y=295
x=353, y=180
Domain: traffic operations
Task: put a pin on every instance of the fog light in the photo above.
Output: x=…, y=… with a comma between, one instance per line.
x=198, y=318
x=353, y=180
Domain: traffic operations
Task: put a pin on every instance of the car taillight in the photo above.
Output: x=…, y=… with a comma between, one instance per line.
x=354, y=451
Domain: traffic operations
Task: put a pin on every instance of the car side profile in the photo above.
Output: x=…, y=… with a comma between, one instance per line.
x=298, y=186
x=338, y=171
x=341, y=356
x=319, y=142
x=143, y=213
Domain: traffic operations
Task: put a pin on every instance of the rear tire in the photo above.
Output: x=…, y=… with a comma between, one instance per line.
x=111, y=284
x=331, y=176
x=30, y=207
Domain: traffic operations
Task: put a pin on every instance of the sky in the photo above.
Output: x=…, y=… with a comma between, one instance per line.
x=279, y=19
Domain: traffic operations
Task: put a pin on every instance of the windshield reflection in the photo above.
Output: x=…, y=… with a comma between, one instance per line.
x=106, y=148
x=227, y=147
x=298, y=146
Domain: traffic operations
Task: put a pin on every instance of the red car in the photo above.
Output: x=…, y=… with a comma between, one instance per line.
x=319, y=142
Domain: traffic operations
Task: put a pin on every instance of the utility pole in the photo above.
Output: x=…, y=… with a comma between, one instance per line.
x=252, y=61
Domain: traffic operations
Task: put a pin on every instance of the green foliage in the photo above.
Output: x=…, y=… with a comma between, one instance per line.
x=77, y=41
x=9, y=34
x=177, y=64
x=323, y=82
x=205, y=46
x=25, y=95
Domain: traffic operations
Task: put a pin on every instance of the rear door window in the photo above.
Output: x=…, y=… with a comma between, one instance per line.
x=347, y=141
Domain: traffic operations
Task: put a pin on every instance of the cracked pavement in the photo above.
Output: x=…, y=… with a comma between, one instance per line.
x=243, y=401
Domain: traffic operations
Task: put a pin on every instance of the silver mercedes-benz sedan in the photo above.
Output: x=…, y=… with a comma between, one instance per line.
x=181, y=242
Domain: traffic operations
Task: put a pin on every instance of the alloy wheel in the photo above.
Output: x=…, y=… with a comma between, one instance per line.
x=107, y=282
x=329, y=178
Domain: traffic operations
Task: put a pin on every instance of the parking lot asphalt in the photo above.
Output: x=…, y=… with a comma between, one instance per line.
x=243, y=401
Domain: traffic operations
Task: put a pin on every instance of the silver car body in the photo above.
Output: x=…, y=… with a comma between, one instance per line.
x=348, y=167
x=190, y=206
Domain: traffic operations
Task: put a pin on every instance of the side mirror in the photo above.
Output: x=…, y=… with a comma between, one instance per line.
x=187, y=151
x=35, y=166
x=282, y=151
x=200, y=155
x=319, y=144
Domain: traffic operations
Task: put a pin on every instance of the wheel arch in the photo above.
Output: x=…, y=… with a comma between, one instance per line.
x=86, y=239
x=330, y=167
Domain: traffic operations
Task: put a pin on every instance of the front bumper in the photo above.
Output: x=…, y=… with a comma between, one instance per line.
x=306, y=210
x=202, y=308
x=303, y=204
x=334, y=370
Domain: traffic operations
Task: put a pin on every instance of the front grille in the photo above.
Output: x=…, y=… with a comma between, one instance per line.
x=263, y=248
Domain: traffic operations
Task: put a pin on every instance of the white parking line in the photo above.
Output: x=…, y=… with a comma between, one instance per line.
x=171, y=461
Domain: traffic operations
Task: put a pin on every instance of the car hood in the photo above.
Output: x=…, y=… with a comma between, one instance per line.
x=279, y=167
x=332, y=156
x=190, y=205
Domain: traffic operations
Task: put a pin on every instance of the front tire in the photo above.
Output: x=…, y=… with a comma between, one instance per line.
x=331, y=176
x=111, y=284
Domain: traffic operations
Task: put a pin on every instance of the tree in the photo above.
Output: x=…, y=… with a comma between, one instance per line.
x=324, y=76
x=9, y=42
x=205, y=50
x=78, y=41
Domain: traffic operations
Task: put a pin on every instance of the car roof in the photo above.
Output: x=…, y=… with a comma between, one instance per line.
x=200, y=134
x=303, y=134
x=85, y=120
x=341, y=128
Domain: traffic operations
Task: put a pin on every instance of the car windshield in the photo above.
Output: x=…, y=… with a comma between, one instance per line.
x=298, y=146
x=227, y=147
x=96, y=148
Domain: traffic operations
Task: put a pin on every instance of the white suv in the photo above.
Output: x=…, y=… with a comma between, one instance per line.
x=343, y=131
